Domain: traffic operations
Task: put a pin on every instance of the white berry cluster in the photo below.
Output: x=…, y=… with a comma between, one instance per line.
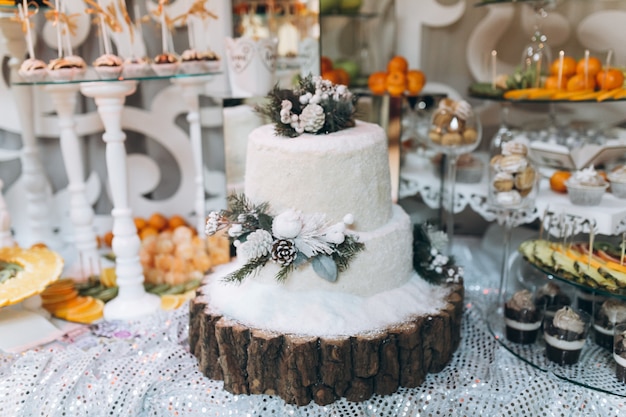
x=439, y=264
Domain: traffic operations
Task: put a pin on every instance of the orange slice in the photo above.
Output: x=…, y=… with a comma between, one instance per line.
x=87, y=315
x=41, y=267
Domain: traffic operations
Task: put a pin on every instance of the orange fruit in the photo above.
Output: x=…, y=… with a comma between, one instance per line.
x=148, y=231
x=140, y=222
x=377, y=82
x=398, y=63
x=569, y=66
x=157, y=221
x=332, y=76
x=108, y=238
x=578, y=83
x=557, y=181
x=552, y=83
x=594, y=66
x=326, y=64
x=415, y=81
x=396, y=83
x=342, y=74
x=175, y=221
x=609, y=79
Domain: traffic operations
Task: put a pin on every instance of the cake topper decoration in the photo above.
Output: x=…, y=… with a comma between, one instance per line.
x=290, y=239
x=316, y=106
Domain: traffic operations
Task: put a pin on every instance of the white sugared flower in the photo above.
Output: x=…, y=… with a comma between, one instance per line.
x=287, y=225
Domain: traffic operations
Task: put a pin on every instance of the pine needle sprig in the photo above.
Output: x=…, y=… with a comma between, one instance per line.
x=346, y=251
x=250, y=267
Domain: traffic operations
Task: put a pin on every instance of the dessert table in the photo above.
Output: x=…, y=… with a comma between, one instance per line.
x=143, y=368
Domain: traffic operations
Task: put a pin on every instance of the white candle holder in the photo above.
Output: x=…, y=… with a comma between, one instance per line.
x=133, y=301
x=81, y=212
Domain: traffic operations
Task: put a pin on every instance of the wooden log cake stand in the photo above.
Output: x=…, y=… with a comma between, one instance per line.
x=301, y=369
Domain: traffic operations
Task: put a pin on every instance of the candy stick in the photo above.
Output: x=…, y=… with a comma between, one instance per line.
x=586, y=68
x=164, y=37
x=560, y=76
x=57, y=23
x=609, y=58
x=591, y=238
x=621, y=259
x=23, y=10
x=494, y=55
x=68, y=42
x=106, y=42
x=190, y=31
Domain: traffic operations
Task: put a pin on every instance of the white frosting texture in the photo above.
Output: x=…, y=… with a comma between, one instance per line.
x=346, y=172
x=316, y=312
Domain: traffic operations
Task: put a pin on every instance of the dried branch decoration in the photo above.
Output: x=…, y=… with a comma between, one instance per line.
x=59, y=18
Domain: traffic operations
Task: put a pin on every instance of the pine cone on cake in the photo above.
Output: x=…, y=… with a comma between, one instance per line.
x=257, y=244
x=284, y=252
x=312, y=118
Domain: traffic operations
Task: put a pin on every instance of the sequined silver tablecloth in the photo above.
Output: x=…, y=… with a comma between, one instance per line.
x=144, y=368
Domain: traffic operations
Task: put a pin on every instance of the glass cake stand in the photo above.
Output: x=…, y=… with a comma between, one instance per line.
x=596, y=367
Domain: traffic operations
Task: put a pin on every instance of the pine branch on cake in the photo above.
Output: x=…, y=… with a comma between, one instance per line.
x=316, y=106
x=290, y=239
x=428, y=261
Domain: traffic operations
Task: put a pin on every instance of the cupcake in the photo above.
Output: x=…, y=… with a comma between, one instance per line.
x=165, y=64
x=565, y=335
x=522, y=317
x=136, y=67
x=619, y=352
x=611, y=312
x=586, y=187
x=66, y=68
x=108, y=66
x=617, y=179
x=33, y=70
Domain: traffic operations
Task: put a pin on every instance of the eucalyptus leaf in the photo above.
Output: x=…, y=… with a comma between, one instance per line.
x=325, y=267
x=300, y=259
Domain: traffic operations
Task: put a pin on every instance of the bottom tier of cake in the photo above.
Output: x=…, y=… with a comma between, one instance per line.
x=301, y=369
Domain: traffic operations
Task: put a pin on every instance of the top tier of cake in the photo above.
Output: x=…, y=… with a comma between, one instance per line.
x=302, y=173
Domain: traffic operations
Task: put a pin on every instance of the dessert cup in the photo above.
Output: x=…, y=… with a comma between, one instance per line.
x=523, y=316
x=617, y=179
x=165, y=70
x=610, y=314
x=619, y=351
x=588, y=301
x=552, y=298
x=136, y=68
x=108, y=73
x=565, y=335
x=585, y=195
x=33, y=70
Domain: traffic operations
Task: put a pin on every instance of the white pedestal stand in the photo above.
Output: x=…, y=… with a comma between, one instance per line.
x=190, y=87
x=5, y=222
x=81, y=212
x=35, y=181
x=133, y=301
